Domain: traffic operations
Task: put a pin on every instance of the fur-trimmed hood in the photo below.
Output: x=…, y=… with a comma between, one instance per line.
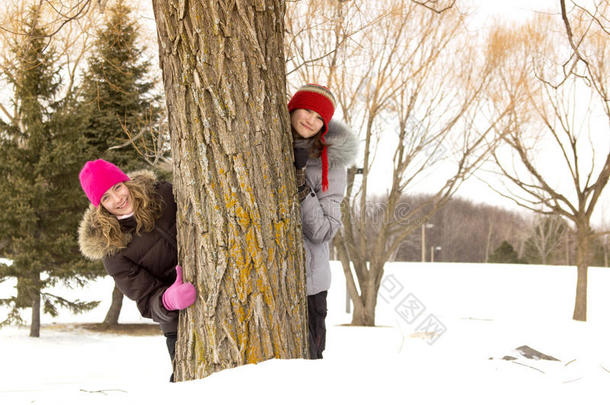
x=342, y=145
x=93, y=244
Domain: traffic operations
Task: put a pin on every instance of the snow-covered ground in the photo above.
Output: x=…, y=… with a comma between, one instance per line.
x=443, y=330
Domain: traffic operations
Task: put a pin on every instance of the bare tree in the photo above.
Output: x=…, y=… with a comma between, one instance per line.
x=549, y=78
x=546, y=236
x=404, y=72
x=71, y=38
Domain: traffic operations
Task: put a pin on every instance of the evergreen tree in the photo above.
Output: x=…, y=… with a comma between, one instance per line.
x=117, y=98
x=40, y=199
x=505, y=253
x=117, y=94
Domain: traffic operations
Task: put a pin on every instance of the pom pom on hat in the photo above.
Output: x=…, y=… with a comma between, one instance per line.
x=97, y=176
x=319, y=99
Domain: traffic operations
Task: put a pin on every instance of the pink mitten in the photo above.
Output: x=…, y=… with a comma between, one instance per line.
x=179, y=295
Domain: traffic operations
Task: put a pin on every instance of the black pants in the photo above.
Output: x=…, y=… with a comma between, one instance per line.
x=170, y=340
x=317, y=309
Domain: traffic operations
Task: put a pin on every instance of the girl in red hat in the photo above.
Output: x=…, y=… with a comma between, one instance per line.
x=131, y=226
x=322, y=151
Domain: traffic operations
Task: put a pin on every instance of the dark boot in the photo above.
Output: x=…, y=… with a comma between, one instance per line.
x=317, y=310
x=170, y=340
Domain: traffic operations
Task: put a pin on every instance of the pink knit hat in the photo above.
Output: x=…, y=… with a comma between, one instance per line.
x=97, y=176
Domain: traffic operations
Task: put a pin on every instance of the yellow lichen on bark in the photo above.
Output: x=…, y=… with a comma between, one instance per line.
x=238, y=225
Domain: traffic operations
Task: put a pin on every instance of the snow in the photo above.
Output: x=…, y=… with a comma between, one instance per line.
x=485, y=311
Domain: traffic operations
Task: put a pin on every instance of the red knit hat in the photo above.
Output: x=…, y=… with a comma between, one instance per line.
x=319, y=99
x=97, y=176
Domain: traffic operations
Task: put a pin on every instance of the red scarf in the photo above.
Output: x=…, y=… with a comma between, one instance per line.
x=324, y=157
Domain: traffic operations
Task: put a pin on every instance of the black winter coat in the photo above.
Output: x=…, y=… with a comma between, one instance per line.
x=146, y=267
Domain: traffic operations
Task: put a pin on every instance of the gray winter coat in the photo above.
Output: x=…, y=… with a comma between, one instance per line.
x=321, y=210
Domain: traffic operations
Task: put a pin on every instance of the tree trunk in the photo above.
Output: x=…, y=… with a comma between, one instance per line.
x=582, y=263
x=488, y=243
x=343, y=255
x=605, y=250
x=35, y=294
x=364, y=315
x=239, y=233
x=567, y=248
x=365, y=301
x=112, y=317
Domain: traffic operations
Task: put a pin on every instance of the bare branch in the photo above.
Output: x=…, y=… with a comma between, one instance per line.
x=602, y=26
x=427, y=4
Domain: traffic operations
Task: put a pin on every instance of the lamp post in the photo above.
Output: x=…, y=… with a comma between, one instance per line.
x=432, y=250
x=423, y=240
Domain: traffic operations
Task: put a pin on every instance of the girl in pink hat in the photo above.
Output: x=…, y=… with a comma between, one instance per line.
x=131, y=226
x=322, y=151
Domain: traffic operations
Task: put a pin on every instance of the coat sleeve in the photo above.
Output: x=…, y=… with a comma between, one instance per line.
x=139, y=285
x=321, y=210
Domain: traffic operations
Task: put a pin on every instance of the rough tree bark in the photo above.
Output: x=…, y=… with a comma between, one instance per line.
x=238, y=219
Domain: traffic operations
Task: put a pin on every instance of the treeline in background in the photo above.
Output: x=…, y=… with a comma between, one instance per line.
x=466, y=231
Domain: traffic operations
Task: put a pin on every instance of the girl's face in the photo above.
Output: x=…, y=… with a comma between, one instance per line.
x=306, y=123
x=117, y=200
